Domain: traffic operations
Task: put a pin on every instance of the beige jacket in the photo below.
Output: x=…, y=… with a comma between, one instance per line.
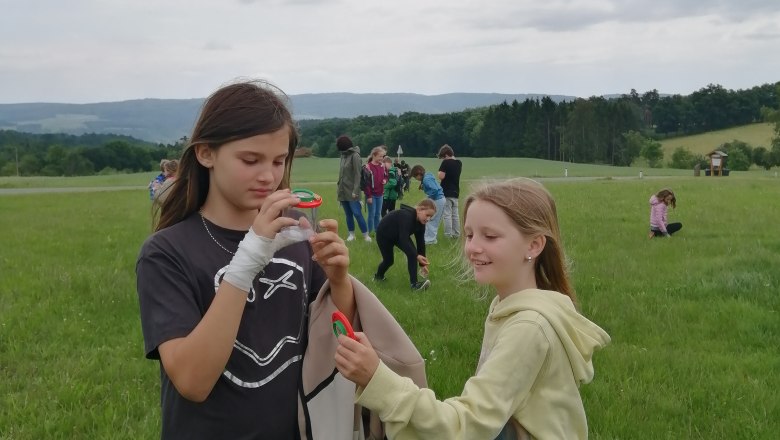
x=326, y=407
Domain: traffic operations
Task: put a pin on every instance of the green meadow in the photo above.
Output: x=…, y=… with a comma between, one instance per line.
x=693, y=318
x=756, y=135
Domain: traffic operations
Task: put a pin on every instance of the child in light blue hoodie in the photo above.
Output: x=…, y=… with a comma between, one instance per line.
x=434, y=192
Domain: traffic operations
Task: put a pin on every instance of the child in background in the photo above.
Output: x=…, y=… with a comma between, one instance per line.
x=348, y=187
x=536, y=350
x=434, y=192
x=157, y=181
x=375, y=189
x=401, y=184
x=659, y=203
x=396, y=229
x=171, y=168
x=449, y=175
x=391, y=187
x=404, y=167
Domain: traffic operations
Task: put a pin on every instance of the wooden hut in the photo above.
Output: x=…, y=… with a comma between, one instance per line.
x=717, y=163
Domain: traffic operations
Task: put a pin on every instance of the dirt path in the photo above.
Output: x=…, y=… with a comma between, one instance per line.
x=17, y=191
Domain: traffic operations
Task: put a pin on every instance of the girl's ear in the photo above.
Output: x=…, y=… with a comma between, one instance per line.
x=205, y=155
x=537, y=246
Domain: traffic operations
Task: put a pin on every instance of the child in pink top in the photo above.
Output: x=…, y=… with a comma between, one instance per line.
x=659, y=203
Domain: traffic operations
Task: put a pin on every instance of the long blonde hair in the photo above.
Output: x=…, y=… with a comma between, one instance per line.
x=532, y=209
x=381, y=149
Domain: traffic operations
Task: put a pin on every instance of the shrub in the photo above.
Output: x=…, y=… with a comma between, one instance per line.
x=738, y=161
x=740, y=155
x=682, y=159
x=653, y=153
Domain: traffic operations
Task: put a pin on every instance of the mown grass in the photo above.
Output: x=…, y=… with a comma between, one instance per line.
x=759, y=134
x=694, y=318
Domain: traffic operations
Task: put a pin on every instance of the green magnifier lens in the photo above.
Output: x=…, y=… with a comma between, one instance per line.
x=304, y=194
x=339, y=329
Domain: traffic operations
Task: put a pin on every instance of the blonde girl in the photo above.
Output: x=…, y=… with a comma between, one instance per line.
x=536, y=349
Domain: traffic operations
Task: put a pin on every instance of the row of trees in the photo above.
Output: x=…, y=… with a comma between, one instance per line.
x=24, y=154
x=707, y=109
x=596, y=130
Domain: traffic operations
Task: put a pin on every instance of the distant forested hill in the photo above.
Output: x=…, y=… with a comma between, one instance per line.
x=167, y=120
x=350, y=105
x=153, y=120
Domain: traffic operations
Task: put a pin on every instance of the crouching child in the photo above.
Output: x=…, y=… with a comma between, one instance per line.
x=396, y=230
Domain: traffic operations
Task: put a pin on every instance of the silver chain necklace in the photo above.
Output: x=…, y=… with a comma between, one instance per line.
x=203, y=219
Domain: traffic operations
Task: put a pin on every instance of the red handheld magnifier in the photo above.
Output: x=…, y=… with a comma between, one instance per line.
x=309, y=200
x=341, y=325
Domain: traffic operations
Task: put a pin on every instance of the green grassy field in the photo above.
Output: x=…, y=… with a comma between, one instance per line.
x=760, y=134
x=694, y=318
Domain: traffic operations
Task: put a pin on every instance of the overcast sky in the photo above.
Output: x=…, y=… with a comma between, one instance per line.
x=109, y=50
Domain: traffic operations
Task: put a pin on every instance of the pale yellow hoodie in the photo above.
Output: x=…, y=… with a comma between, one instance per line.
x=536, y=351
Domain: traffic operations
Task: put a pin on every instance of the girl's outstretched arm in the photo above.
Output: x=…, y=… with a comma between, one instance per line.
x=487, y=402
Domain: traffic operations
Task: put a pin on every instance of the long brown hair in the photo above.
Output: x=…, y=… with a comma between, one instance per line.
x=662, y=194
x=532, y=209
x=235, y=111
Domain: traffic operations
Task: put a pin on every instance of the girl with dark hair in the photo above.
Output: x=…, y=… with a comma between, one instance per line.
x=449, y=176
x=226, y=281
x=348, y=187
x=536, y=349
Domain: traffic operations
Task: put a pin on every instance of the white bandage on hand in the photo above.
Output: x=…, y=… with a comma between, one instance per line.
x=253, y=254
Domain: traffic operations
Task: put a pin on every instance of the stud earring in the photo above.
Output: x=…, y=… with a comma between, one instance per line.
x=528, y=259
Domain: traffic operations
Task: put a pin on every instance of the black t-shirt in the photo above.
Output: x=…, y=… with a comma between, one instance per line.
x=404, y=170
x=179, y=270
x=451, y=182
x=399, y=225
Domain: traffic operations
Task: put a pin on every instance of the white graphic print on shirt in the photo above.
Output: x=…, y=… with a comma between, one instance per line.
x=271, y=286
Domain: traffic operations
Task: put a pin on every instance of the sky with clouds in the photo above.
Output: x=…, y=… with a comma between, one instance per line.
x=83, y=51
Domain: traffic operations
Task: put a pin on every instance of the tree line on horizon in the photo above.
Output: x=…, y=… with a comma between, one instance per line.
x=58, y=154
x=614, y=131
